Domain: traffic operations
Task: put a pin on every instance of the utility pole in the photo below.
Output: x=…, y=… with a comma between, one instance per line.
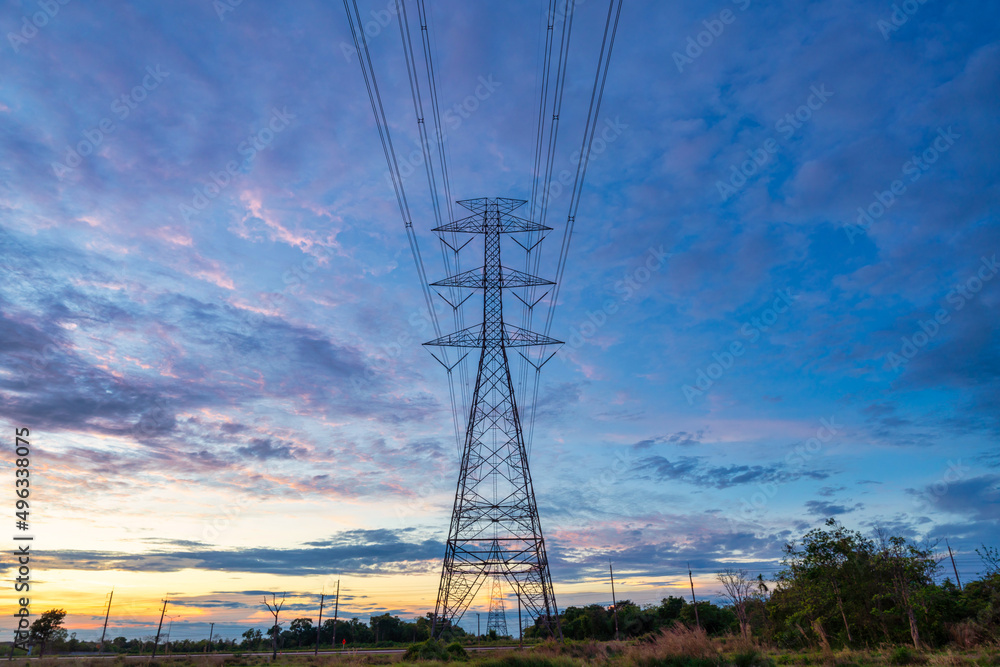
x=520, y=627
x=694, y=601
x=13, y=643
x=211, y=633
x=954, y=567
x=106, y=617
x=319, y=625
x=166, y=644
x=336, y=605
x=479, y=635
x=614, y=603
x=159, y=627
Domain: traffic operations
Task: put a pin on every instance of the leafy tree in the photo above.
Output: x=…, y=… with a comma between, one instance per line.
x=842, y=587
x=815, y=575
x=591, y=622
x=670, y=609
x=423, y=629
x=386, y=628
x=47, y=627
x=252, y=639
x=909, y=570
x=302, y=631
x=357, y=632
x=714, y=619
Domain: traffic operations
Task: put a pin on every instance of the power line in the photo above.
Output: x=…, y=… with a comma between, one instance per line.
x=543, y=192
x=378, y=111
x=529, y=301
x=593, y=112
x=371, y=84
x=418, y=111
x=457, y=312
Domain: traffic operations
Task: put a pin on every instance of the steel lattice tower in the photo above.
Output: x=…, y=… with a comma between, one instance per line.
x=494, y=529
x=497, y=620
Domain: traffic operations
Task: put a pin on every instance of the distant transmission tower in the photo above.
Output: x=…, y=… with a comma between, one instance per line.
x=495, y=531
x=498, y=617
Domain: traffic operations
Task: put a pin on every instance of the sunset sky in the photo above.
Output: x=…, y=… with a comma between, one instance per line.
x=225, y=386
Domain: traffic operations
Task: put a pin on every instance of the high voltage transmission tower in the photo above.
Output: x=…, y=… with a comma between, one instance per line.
x=495, y=531
x=497, y=621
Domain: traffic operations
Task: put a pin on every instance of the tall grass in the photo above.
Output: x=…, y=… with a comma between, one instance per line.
x=679, y=646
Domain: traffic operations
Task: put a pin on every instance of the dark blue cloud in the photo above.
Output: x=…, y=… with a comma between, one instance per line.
x=356, y=552
x=977, y=498
x=821, y=508
x=694, y=470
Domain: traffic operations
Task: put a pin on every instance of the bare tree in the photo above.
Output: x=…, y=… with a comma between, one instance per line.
x=739, y=589
x=274, y=607
x=991, y=559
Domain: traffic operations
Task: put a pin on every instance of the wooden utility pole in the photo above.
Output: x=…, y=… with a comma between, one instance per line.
x=954, y=567
x=211, y=633
x=614, y=603
x=319, y=625
x=106, y=617
x=159, y=627
x=694, y=601
x=336, y=608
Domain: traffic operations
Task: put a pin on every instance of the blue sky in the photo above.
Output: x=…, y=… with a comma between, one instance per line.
x=211, y=321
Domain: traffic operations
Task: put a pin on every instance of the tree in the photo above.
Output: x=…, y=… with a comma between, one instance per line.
x=388, y=628
x=670, y=609
x=991, y=559
x=714, y=619
x=909, y=569
x=302, y=631
x=275, y=608
x=739, y=590
x=46, y=627
x=252, y=638
x=813, y=579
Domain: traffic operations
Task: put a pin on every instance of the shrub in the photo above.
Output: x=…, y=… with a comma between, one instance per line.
x=457, y=651
x=431, y=649
x=901, y=655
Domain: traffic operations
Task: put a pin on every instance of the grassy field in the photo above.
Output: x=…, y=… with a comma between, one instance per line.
x=675, y=648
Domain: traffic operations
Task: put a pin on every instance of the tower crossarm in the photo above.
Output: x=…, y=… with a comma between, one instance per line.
x=507, y=224
x=478, y=279
x=512, y=337
x=499, y=219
